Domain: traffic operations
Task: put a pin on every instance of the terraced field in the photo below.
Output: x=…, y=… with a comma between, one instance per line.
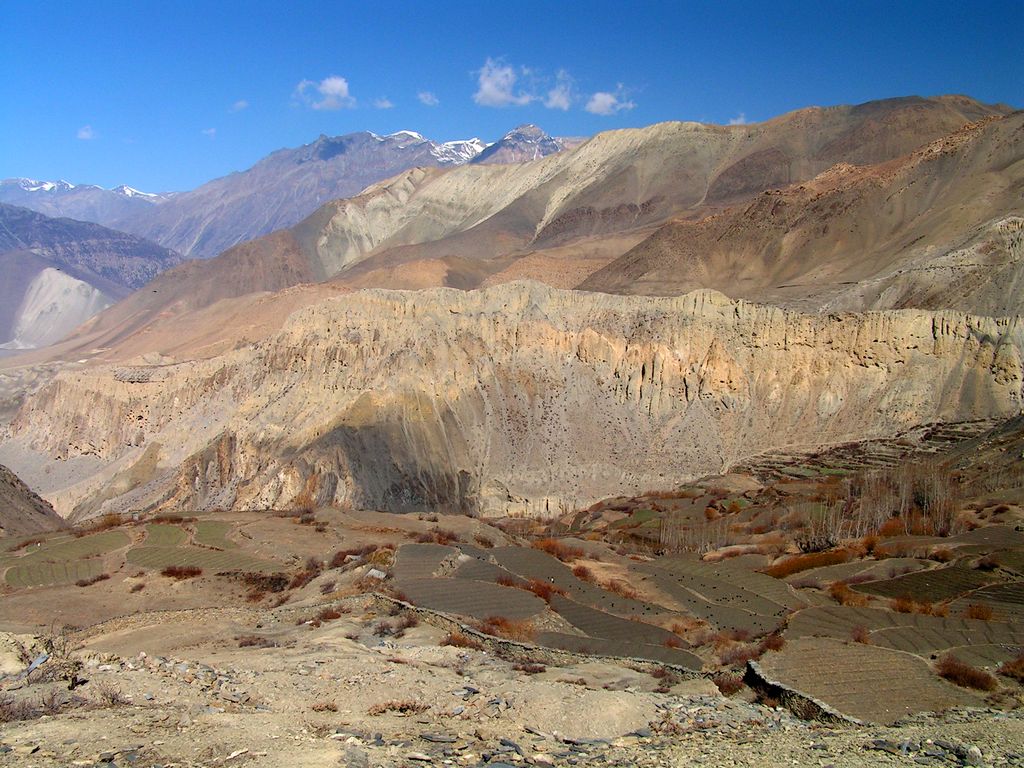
x=476, y=599
x=40, y=574
x=164, y=535
x=210, y=560
x=214, y=534
x=872, y=684
x=934, y=585
x=1005, y=600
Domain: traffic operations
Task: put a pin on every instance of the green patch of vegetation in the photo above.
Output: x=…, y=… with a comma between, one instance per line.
x=42, y=573
x=209, y=560
x=214, y=533
x=76, y=549
x=164, y=535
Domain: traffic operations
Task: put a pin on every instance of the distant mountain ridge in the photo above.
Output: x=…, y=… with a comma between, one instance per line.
x=277, y=192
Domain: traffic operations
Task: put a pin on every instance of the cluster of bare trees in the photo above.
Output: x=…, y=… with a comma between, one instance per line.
x=919, y=497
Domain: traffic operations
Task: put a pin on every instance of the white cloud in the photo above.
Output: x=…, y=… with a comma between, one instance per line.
x=740, y=119
x=86, y=133
x=561, y=96
x=330, y=93
x=383, y=103
x=426, y=97
x=239, y=105
x=497, y=83
x=604, y=103
x=211, y=132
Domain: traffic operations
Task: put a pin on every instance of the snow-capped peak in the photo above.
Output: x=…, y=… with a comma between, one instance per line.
x=31, y=185
x=127, y=191
x=458, y=152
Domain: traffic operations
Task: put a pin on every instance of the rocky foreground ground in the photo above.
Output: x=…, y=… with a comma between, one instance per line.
x=255, y=688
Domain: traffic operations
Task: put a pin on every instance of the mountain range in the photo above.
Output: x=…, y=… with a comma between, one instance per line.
x=277, y=192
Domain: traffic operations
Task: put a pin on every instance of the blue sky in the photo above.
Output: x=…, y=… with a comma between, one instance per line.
x=165, y=96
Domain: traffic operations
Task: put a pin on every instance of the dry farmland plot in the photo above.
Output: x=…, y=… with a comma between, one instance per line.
x=478, y=599
x=421, y=561
x=872, y=684
x=214, y=533
x=1005, y=600
x=718, y=615
x=933, y=586
x=839, y=621
x=209, y=560
x=931, y=634
x=41, y=573
x=600, y=624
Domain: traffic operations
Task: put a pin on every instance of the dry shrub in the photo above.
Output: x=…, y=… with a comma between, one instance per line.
x=462, y=640
x=520, y=630
x=772, y=642
x=674, y=642
x=620, y=588
x=797, y=563
x=171, y=519
x=840, y=592
x=255, y=641
x=302, y=578
x=868, y=543
x=894, y=526
x=978, y=611
x=583, y=573
x=555, y=548
x=328, y=614
x=30, y=542
x=907, y=604
x=483, y=541
x=327, y=587
x=806, y=583
x=324, y=706
x=728, y=683
x=137, y=587
x=739, y=654
x=529, y=668
x=338, y=558
x=12, y=710
x=108, y=695
x=941, y=555
x=964, y=675
x=92, y=580
x=1014, y=668
x=861, y=634
x=438, y=536
x=405, y=707
x=987, y=563
x=545, y=590
x=509, y=581
x=255, y=596
x=181, y=572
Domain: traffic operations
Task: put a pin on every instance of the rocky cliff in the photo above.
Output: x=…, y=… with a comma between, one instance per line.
x=516, y=399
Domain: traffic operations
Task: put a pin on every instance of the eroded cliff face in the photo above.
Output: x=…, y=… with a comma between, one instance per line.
x=515, y=399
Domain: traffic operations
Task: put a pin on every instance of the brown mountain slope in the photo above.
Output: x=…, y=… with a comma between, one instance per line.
x=471, y=225
x=941, y=228
x=22, y=512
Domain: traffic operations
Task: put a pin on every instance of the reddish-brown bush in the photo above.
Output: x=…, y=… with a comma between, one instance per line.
x=462, y=640
x=620, y=588
x=772, y=642
x=840, y=592
x=739, y=654
x=583, y=573
x=673, y=642
x=181, y=572
x=520, y=630
x=797, y=563
x=545, y=590
x=338, y=558
x=964, y=675
x=555, y=548
x=728, y=683
x=529, y=668
x=978, y=611
x=861, y=634
x=137, y=587
x=407, y=707
x=1014, y=668
x=329, y=614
